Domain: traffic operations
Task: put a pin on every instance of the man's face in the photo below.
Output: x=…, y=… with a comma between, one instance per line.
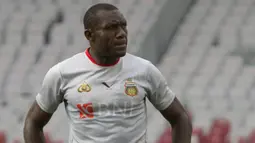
x=110, y=34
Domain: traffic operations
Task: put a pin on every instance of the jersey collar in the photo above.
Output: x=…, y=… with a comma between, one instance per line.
x=94, y=61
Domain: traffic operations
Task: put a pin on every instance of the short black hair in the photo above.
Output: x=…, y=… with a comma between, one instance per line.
x=90, y=16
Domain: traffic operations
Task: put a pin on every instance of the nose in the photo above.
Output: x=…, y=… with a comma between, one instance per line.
x=121, y=33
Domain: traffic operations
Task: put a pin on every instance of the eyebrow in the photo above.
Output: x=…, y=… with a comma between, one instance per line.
x=111, y=23
x=117, y=22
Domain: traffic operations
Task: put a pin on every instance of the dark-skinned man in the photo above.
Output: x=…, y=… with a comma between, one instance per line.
x=104, y=89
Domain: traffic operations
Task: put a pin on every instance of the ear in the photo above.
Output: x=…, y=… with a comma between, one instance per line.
x=88, y=34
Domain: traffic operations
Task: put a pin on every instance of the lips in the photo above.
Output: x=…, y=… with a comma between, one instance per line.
x=120, y=41
x=121, y=45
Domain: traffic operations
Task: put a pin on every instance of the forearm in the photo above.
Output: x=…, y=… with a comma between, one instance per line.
x=182, y=130
x=33, y=134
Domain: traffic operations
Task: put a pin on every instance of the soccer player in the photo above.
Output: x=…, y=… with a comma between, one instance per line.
x=104, y=89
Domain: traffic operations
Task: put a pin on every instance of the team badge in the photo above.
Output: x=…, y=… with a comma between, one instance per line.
x=131, y=88
x=84, y=88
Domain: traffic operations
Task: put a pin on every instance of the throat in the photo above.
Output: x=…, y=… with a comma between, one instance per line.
x=101, y=60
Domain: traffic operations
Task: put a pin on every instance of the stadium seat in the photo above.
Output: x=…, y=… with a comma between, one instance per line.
x=166, y=137
x=3, y=137
x=251, y=137
x=47, y=137
x=16, y=141
x=198, y=132
x=58, y=141
x=215, y=139
x=242, y=140
x=223, y=125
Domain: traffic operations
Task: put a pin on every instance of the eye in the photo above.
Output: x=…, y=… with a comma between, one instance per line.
x=124, y=24
x=111, y=27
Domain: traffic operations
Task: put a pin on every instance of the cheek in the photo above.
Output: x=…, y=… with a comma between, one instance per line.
x=101, y=41
x=104, y=43
x=105, y=40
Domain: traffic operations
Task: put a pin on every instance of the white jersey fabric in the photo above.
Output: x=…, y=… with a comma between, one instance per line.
x=105, y=103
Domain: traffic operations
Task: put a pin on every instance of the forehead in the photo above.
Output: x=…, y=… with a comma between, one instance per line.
x=107, y=17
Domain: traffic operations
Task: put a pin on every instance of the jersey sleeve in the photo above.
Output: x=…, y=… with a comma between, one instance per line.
x=160, y=95
x=50, y=96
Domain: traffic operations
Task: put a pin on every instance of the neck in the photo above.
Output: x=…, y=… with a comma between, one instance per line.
x=102, y=60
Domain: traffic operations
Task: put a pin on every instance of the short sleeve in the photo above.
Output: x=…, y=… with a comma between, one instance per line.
x=49, y=96
x=160, y=95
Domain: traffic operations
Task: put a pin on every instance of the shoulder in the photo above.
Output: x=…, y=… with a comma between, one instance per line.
x=136, y=61
x=140, y=65
x=77, y=58
x=72, y=63
x=59, y=68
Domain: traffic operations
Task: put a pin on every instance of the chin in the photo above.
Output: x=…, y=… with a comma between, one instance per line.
x=121, y=54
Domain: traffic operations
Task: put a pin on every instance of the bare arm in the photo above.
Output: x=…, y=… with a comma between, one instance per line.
x=36, y=119
x=179, y=120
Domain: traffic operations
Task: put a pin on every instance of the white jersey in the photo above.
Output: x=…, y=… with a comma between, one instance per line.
x=105, y=103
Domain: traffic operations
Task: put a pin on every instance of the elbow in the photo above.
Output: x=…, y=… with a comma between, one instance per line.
x=28, y=126
x=184, y=119
x=188, y=121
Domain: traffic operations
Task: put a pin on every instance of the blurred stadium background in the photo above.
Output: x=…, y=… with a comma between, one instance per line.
x=205, y=49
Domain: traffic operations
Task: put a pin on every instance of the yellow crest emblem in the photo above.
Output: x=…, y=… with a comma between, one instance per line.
x=84, y=88
x=130, y=88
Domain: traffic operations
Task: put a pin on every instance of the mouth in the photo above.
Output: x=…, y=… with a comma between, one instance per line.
x=121, y=46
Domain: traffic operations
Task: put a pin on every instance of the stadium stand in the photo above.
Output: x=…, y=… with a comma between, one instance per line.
x=210, y=65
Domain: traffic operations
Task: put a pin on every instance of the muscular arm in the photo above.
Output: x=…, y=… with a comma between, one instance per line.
x=179, y=120
x=36, y=119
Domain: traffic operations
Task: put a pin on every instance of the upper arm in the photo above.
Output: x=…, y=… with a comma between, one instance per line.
x=47, y=100
x=159, y=93
x=50, y=95
x=163, y=98
x=36, y=116
x=174, y=112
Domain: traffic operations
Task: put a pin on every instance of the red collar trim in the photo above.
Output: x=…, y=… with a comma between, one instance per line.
x=94, y=61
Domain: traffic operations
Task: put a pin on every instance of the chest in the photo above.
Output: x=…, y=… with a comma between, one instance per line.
x=120, y=91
